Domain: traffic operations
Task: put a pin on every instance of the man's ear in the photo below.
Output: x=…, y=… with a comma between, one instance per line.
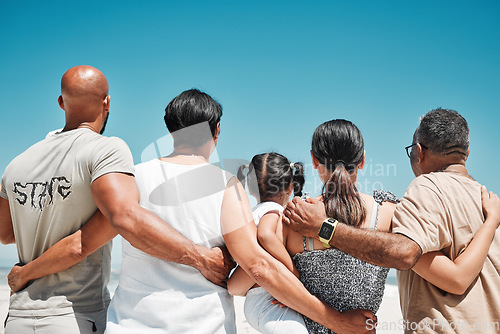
x=107, y=103
x=61, y=102
x=362, y=164
x=314, y=161
x=420, y=153
x=467, y=155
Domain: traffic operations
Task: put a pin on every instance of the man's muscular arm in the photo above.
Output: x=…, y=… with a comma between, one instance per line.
x=65, y=253
x=380, y=248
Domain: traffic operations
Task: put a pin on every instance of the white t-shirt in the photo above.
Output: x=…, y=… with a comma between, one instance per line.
x=156, y=296
x=261, y=209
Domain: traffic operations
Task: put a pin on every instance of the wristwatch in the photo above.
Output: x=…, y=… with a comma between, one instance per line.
x=327, y=231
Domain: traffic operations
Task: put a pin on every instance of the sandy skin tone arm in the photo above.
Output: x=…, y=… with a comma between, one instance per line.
x=240, y=237
x=117, y=196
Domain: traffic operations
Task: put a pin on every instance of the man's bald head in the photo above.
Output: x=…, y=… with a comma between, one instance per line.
x=84, y=97
x=84, y=81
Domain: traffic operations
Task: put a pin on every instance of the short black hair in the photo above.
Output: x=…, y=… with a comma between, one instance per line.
x=190, y=108
x=443, y=131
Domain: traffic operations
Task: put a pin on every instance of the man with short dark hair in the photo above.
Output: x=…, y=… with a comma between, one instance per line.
x=51, y=190
x=441, y=211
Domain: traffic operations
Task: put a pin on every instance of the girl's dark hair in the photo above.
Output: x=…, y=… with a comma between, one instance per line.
x=191, y=109
x=270, y=174
x=338, y=145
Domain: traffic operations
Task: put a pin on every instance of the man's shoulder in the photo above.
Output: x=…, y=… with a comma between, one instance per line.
x=26, y=154
x=438, y=181
x=99, y=142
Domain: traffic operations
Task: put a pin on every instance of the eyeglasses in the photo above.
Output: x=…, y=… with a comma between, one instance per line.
x=407, y=148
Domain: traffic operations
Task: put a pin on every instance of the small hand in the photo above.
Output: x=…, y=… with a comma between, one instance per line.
x=218, y=265
x=305, y=217
x=491, y=206
x=16, y=280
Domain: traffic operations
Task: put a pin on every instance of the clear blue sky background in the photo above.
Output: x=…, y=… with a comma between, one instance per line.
x=278, y=68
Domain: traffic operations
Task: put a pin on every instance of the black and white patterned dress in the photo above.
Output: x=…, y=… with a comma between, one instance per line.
x=341, y=280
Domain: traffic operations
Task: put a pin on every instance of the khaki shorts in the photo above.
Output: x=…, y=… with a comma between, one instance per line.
x=74, y=323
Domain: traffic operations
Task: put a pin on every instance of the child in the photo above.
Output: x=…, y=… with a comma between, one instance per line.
x=271, y=180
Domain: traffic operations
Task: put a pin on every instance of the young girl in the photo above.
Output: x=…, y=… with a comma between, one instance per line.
x=271, y=180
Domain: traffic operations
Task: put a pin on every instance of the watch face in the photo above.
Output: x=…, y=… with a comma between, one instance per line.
x=326, y=231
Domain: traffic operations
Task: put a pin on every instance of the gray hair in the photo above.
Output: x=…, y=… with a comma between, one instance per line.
x=443, y=131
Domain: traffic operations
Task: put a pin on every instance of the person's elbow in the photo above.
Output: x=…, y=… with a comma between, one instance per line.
x=408, y=254
x=260, y=270
x=123, y=220
x=458, y=285
x=7, y=238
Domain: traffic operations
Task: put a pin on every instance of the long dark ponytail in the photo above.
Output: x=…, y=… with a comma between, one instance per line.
x=338, y=145
x=270, y=174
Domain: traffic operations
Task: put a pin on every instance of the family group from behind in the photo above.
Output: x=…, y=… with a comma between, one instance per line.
x=186, y=223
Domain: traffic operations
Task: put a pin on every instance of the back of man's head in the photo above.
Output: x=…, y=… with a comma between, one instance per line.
x=443, y=131
x=83, y=86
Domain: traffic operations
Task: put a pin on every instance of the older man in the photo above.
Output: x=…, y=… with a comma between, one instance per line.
x=53, y=188
x=441, y=210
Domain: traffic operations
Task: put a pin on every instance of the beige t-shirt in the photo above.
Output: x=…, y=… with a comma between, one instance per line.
x=443, y=211
x=49, y=192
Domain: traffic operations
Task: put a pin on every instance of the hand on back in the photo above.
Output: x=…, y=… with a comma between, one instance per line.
x=491, y=206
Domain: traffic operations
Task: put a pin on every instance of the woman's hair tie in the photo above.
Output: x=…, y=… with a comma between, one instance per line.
x=292, y=165
x=340, y=162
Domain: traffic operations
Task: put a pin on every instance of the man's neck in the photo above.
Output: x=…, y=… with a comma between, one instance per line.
x=90, y=126
x=457, y=168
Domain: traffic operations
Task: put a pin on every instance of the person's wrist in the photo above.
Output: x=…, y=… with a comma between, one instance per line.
x=25, y=273
x=492, y=220
x=203, y=258
x=334, y=320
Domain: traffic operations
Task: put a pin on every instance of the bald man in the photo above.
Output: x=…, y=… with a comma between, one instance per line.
x=53, y=189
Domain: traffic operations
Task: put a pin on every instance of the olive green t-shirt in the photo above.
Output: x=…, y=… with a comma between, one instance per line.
x=443, y=211
x=49, y=192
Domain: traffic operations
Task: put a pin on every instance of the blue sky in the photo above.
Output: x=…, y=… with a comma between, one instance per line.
x=278, y=68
